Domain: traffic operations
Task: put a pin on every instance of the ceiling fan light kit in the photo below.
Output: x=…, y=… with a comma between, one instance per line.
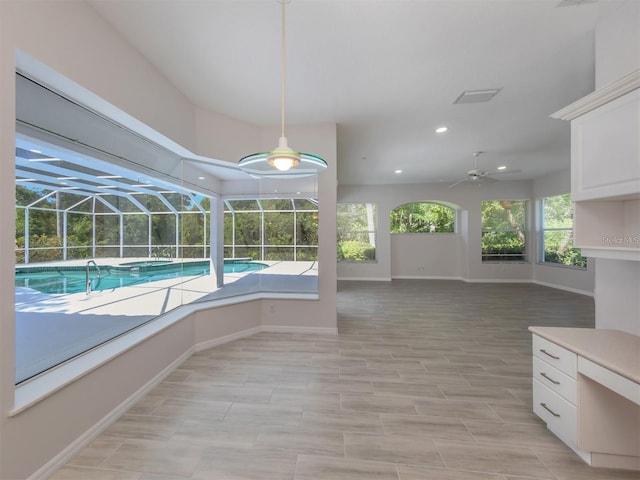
x=282, y=161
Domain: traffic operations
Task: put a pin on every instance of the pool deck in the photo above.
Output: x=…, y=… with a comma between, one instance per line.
x=52, y=328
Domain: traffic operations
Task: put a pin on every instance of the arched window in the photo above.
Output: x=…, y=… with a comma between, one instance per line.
x=423, y=217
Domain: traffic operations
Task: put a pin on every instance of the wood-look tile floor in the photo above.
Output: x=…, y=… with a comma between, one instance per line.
x=426, y=380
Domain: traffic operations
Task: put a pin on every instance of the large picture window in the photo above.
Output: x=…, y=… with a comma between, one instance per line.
x=271, y=229
x=423, y=217
x=356, y=226
x=556, y=233
x=504, y=231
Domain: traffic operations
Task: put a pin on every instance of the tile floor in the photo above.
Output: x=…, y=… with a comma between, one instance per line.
x=426, y=380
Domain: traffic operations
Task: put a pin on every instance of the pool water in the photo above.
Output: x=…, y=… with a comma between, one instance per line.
x=65, y=280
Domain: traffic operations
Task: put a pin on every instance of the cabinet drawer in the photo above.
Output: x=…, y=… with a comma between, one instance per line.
x=559, y=415
x=555, y=355
x=559, y=382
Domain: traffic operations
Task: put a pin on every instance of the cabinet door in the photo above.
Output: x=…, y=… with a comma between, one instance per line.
x=605, y=153
x=559, y=415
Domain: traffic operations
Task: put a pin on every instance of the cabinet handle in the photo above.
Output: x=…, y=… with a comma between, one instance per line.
x=542, y=374
x=544, y=405
x=547, y=353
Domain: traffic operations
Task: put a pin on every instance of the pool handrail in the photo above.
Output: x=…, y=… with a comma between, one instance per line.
x=87, y=279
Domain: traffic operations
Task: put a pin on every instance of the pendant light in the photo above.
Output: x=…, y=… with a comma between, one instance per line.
x=282, y=161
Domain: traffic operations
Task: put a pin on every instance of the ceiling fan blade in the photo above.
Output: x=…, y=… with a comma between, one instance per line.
x=459, y=182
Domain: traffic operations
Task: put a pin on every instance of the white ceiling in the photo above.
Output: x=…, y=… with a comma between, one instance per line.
x=386, y=72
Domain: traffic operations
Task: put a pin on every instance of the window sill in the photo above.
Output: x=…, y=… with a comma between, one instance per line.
x=355, y=262
x=437, y=234
x=505, y=262
x=561, y=265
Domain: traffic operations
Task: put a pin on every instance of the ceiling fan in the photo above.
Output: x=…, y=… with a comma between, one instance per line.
x=476, y=175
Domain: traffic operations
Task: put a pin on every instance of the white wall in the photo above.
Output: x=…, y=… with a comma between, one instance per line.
x=449, y=256
x=224, y=138
x=71, y=39
x=617, y=295
x=426, y=256
x=572, y=279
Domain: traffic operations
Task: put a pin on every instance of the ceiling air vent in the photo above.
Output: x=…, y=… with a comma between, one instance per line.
x=573, y=3
x=476, y=96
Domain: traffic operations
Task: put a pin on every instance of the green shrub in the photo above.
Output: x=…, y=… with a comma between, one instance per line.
x=354, y=251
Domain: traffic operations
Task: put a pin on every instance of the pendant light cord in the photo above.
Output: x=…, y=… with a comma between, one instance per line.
x=282, y=70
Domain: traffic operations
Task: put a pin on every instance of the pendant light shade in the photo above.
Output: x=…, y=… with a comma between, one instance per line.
x=282, y=161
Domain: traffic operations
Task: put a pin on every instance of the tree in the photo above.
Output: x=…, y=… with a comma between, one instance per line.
x=356, y=227
x=423, y=217
x=558, y=232
x=503, y=230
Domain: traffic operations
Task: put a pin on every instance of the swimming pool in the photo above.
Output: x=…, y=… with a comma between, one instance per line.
x=72, y=279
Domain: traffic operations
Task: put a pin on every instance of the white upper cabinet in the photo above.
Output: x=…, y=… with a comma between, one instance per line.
x=605, y=169
x=605, y=153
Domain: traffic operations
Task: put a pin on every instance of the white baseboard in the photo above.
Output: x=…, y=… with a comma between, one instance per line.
x=562, y=287
x=263, y=328
x=310, y=330
x=49, y=468
x=365, y=279
x=425, y=277
x=497, y=280
x=226, y=339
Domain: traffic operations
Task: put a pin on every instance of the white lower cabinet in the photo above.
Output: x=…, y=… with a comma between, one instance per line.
x=555, y=391
x=586, y=388
x=560, y=415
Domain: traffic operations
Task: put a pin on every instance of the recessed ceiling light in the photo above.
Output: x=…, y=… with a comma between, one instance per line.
x=200, y=178
x=502, y=167
x=442, y=129
x=571, y=3
x=398, y=172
